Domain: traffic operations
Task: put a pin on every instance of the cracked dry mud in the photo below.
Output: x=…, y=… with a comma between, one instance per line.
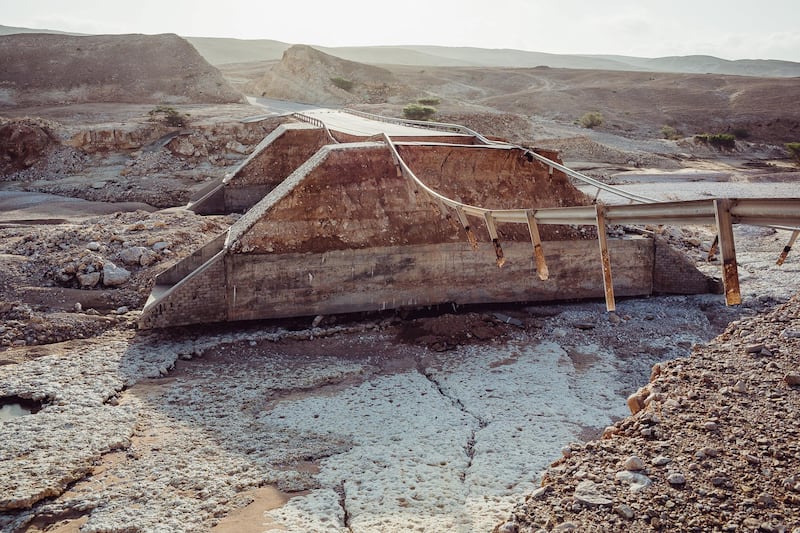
x=356, y=427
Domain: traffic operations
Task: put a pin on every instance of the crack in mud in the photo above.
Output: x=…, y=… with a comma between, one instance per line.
x=346, y=518
x=469, y=446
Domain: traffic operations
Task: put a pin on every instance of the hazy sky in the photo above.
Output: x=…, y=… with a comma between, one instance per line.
x=731, y=29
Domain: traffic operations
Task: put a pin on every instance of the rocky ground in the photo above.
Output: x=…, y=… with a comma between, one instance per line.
x=713, y=445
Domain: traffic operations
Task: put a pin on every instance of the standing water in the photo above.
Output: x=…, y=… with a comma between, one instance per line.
x=13, y=406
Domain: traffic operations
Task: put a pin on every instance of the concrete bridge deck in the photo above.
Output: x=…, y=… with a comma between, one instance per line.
x=354, y=228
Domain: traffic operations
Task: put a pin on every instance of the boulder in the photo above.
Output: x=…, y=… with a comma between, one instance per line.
x=114, y=276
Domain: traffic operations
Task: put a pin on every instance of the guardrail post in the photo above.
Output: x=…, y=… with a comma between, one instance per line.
x=730, y=270
x=465, y=224
x=538, y=252
x=498, y=250
x=788, y=247
x=608, y=283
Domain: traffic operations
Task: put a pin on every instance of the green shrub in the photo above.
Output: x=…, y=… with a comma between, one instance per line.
x=590, y=120
x=668, y=132
x=429, y=101
x=717, y=140
x=794, y=151
x=418, y=112
x=343, y=83
x=169, y=116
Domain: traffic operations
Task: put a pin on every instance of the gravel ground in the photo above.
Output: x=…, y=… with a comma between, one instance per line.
x=715, y=446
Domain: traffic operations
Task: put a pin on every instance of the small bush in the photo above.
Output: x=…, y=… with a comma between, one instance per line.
x=794, y=151
x=429, y=101
x=343, y=83
x=590, y=120
x=668, y=132
x=717, y=140
x=169, y=116
x=418, y=112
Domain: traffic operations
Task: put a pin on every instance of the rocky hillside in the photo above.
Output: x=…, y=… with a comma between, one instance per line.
x=47, y=68
x=307, y=75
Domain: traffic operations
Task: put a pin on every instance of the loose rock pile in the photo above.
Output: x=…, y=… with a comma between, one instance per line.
x=76, y=280
x=713, y=445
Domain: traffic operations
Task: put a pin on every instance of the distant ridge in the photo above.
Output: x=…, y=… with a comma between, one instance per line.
x=219, y=51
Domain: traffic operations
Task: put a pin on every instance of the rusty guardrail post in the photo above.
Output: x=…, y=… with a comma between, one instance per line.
x=730, y=270
x=788, y=247
x=608, y=282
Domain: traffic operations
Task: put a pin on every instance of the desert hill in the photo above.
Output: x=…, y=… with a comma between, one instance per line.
x=49, y=68
x=220, y=51
x=632, y=103
x=307, y=75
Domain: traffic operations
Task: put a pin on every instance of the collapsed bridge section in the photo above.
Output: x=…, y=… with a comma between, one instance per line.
x=348, y=231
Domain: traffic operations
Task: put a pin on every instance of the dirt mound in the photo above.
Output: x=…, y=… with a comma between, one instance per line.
x=307, y=75
x=78, y=279
x=713, y=447
x=22, y=144
x=46, y=68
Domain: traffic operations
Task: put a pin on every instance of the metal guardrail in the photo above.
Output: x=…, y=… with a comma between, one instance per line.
x=457, y=128
x=318, y=123
x=773, y=212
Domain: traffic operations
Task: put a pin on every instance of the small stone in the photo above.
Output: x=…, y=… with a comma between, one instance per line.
x=160, y=245
x=661, y=460
x=93, y=246
x=634, y=403
x=633, y=463
x=719, y=481
x=766, y=352
x=637, y=482
x=114, y=276
x=711, y=426
x=566, y=451
x=89, y=280
x=78, y=307
x=792, y=379
x=122, y=310
x=740, y=387
x=614, y=319
x=540, y=492
x=751, y=523
x=791, y=333
x=566, y=526
x=676, y=478
x=609, y=432
x=588, y=493
x=584, y=325
x=765, y=500
x=672, y=404
x=624, y=511
x=507, y=527
x=132, y=255
x=754, y=348
x=710, y=452
x=98, y=184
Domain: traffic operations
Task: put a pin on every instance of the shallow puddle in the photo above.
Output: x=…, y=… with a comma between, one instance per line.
x=13, y=406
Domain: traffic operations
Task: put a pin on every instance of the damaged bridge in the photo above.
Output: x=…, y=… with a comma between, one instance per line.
x=345, y=212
